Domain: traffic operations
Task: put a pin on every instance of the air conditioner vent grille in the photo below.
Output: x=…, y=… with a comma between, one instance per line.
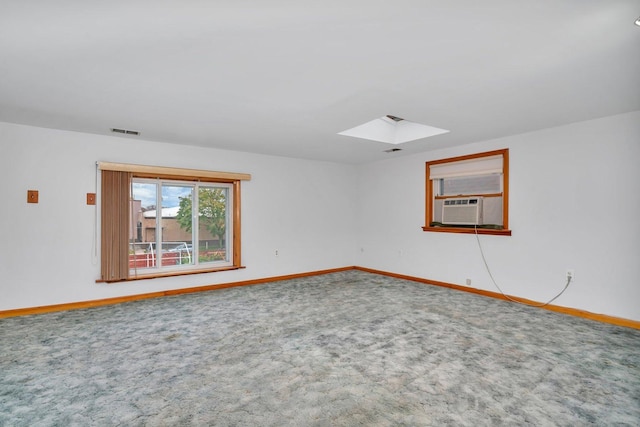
x=462, y=211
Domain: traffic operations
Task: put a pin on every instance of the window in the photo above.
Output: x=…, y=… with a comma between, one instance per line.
x=166, y=221
x=468, y=193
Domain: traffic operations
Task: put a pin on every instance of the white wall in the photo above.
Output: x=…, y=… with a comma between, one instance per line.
x=574, y=203
x=304, y=209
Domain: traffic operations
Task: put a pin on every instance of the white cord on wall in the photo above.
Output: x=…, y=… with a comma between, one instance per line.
x=94, y=259
x=486, y=265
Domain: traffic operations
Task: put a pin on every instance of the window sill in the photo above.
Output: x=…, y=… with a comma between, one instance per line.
x=172, y=274
x=462, y=230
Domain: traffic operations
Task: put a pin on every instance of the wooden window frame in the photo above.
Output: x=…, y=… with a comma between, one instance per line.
x=180, y=174
x=465, y=230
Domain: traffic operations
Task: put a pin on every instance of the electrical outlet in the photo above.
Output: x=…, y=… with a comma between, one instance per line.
x=571, y=275
x=277, y=254
x=468, y=282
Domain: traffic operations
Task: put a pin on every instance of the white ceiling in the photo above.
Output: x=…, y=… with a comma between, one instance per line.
x=284, y=77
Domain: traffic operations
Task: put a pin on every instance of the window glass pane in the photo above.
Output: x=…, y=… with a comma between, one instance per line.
x=176, y=220
x=213, y=233
x=482, y=184
x=142, y=250
x=185, y=238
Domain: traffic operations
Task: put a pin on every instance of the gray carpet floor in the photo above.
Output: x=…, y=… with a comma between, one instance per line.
x=342, y=349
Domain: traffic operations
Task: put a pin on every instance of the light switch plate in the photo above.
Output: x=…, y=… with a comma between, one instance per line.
x=91, y=198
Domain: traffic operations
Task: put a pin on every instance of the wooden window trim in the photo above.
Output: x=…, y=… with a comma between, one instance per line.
x=467, y=230
x=462, y=230
x=157, y=275
x=143, y=171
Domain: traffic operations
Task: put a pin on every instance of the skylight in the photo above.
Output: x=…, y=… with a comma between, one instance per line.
x=392, y=130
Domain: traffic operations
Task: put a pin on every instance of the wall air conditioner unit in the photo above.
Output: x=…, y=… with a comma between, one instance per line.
x=462, y=211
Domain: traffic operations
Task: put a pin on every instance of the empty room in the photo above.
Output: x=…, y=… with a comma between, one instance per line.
x=351, y=213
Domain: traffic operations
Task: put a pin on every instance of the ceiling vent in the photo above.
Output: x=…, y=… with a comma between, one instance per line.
x=125, y=131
